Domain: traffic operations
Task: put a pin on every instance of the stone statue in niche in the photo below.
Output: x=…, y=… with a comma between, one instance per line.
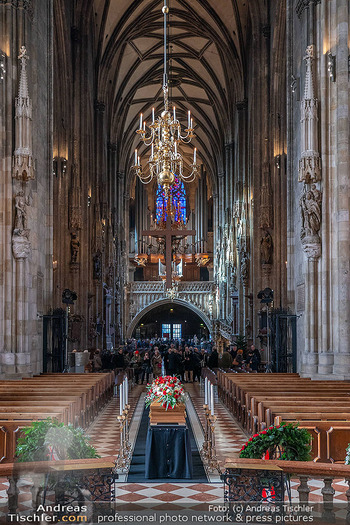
x=74, y=248
x=266, y=248
x=97, y=266
x=310, y=204
x=21, y=204
x=244, y=268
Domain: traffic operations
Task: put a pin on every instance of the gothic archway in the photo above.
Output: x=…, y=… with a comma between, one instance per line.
x=156, y=304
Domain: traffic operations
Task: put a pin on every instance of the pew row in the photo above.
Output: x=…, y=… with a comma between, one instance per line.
x=323, y=407
x=69, y=398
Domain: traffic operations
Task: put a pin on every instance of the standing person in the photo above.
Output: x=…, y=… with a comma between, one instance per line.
x=166, y=361
x=213, y=361
x=97, y=361
x=156, y=363
x=146, y=367
x=118, y=359
x=135, y=364
x=197, y=369
x=188, y=366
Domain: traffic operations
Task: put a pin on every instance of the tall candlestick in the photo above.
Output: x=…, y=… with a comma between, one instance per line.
x=152, y=150
x=212, y=399
x=144, y=125
x=189, y=119
x=175, y=148
x=191, y=123
x=141, y=116
x=135, y=157
x=195, y=156
x=152, y=115
x=206, y=391
x=138, y=161
x=126, y=391
x=174, y=113
x=120, y=399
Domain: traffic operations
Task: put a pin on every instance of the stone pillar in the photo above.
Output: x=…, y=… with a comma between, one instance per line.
x=342, y=243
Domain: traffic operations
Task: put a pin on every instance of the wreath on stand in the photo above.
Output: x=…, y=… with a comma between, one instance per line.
x=286, y=442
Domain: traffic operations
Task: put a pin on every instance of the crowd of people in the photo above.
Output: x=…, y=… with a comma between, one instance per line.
x=152, y=358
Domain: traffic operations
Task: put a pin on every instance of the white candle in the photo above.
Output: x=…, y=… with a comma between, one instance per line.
x=152, y=115
x=174, y=113
x=189, y=119
x=212, y=399
x=141, y=121
x=152, y=150
x=195, y=156
x=175, y=148
x=144, y=125
x=135, y=157
x=120, y=399
x=191, y=123
x=205, y=391
x=126, y=391
x=138, y=161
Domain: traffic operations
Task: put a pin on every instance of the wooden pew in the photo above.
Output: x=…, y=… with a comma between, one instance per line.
x=69, y=398
x=323, y=407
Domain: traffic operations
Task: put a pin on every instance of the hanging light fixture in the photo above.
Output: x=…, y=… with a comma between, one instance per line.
x=164, y=136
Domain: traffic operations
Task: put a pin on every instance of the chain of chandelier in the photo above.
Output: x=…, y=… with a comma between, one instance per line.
x=163, y=135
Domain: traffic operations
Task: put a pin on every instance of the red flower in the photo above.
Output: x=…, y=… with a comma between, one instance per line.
x=263, y=432
x=255, y=435
x=250, y=439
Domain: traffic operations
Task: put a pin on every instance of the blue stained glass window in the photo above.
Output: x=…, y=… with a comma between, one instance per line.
x=178, y=200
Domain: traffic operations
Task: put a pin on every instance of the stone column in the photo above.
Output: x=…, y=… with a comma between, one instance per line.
x=342, y=242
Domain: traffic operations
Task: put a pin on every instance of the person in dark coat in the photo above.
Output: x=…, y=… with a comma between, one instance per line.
x=118, y=359
x=213, y=361
x=146, y=367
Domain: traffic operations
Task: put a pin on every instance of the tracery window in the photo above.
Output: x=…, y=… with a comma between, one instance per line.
x=178, y=200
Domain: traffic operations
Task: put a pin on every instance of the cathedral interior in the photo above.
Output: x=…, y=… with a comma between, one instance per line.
x=267, y=87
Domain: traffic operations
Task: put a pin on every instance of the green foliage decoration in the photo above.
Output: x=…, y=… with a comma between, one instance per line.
x=42, y=437
x=293, y=442
x=347, y=457
x=241, y=343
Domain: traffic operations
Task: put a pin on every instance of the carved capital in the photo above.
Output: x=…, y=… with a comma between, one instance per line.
x=310, y=167
x=99, y=106
x=312, y=247
x=304, y=4
x=21, y=245
x=242, y=104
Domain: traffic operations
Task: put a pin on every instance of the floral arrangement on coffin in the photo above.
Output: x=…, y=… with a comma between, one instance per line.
x=167, y=390
x=293, y=443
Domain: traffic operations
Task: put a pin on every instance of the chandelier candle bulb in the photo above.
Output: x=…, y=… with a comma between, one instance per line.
x=141, y=117
x=144, y=125
x=191, y=123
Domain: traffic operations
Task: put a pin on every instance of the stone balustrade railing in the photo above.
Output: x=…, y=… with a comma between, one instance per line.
x=301, y=472
x=197, y=293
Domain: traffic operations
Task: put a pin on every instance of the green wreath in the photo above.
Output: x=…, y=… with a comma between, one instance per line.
x=293, y=443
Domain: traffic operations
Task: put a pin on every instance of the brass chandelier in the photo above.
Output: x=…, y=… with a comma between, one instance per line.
x=164, y=135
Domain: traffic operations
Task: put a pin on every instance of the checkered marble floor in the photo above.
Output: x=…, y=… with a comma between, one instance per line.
x=229, y=436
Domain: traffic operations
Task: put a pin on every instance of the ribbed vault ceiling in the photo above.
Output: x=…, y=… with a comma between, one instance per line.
x=207, y=43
